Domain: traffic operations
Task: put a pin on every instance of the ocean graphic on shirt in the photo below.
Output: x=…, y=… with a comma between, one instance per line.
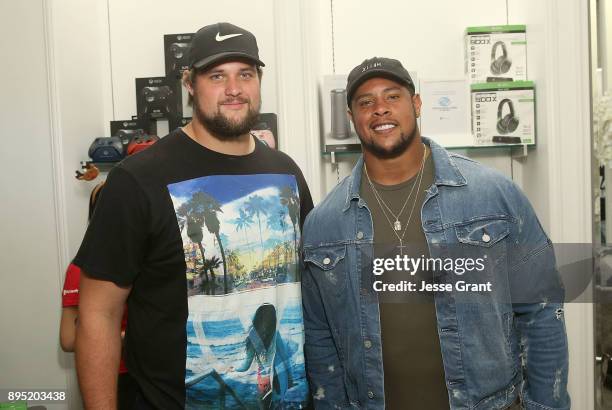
x=245, y=330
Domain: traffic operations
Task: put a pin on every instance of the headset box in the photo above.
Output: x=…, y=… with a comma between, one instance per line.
x=176, y=53
x=496, y=53
x=503, y=113
x=156, y=97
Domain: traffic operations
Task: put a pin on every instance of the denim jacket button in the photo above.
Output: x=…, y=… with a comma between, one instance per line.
x=359, y=235
x=326, y=261
x=363, y=291
x=486, y=238
x=367, y=344
x=371, y=394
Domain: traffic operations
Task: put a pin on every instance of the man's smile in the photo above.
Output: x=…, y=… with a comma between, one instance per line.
x=383, y=127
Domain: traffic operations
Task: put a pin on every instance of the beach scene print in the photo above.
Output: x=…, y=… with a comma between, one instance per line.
x=245, y=331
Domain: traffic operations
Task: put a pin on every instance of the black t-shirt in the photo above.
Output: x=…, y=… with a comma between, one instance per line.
x=209, y=243
x=412, y=358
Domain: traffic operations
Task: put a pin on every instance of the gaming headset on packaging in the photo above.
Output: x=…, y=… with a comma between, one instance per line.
x=501, y=64
x=509, y=122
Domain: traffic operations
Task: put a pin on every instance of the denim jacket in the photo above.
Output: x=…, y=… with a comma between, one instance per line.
x=493, y=350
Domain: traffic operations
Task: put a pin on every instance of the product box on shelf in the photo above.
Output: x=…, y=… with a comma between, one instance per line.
x=176, y=53
x=156, y=97
x=503, y=113
x=127, y=130
x=496, y=53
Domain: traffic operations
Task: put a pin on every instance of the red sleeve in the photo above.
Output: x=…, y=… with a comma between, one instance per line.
x=70, y=293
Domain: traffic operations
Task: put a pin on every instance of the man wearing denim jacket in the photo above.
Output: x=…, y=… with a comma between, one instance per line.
x=498, y=342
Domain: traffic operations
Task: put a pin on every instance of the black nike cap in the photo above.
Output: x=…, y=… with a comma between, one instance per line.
x=222, y=41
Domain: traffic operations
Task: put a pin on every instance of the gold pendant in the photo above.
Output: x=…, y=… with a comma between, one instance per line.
x=397, y=225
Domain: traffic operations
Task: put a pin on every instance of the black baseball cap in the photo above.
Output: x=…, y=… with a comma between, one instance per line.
x=222, y=41
x=377, y=67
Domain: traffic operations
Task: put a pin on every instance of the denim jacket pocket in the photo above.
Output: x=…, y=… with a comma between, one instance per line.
x=483, y=232
x=328, y=266
x=484, y=240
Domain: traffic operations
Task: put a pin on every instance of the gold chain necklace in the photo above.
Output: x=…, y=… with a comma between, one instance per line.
x=397, y=226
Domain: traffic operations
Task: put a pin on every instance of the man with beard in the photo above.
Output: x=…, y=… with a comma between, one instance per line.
x=196, y=233
x=375, y=336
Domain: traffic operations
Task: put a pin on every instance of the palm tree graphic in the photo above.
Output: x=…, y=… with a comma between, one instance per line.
x=243, y=223
x=210, y=265
x=256, y=206
x=289, y=198
x=281, y=220
x=202, y=207
x=194, y=221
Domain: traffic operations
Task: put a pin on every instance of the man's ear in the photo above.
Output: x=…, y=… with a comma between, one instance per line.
x=416, y=100
x=187, y=82
x=349, y=114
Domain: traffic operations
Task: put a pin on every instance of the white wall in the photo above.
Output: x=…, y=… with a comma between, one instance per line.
x=606, y=39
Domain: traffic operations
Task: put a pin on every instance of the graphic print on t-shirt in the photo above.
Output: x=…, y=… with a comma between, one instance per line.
x=245, y=329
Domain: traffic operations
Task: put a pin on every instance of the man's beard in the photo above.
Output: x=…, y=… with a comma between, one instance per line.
x=393, y=152
x=222, y=127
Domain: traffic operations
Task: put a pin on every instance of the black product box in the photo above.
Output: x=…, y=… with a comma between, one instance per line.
x=143, y=125
x=177, y=122
x=176, y=53
x=156, y=97
x=128, y=129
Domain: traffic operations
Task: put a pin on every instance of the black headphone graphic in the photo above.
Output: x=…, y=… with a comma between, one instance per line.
x=509, y=122
x=501, y=64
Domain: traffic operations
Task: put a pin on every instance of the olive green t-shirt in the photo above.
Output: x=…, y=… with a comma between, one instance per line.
x=412, y=359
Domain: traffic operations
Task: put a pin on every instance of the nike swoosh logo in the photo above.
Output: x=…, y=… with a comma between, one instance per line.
x=219, y=37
